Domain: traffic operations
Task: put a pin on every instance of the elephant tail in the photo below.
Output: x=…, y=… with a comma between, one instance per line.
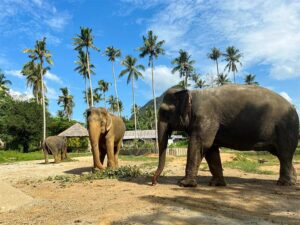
x=46, y=147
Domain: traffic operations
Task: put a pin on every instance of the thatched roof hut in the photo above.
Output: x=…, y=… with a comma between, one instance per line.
x=77, y=130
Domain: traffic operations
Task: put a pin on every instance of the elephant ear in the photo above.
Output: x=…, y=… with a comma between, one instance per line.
x=184, y=103
x=108, y=121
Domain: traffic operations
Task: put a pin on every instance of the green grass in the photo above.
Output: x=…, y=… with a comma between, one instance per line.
x=14, y=156
x=248, y=165
x=136, y=158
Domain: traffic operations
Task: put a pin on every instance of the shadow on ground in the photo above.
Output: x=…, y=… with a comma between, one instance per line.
x=78, y=171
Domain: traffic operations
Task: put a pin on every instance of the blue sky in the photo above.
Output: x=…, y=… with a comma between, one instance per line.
x=266, y=32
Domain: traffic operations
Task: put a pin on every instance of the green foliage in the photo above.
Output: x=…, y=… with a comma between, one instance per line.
x=57, y=125
x=77, y=144
x=125, y=172
x=179, y=144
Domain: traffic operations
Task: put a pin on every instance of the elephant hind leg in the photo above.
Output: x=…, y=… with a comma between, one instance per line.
x=213, y=160
x=287, y=175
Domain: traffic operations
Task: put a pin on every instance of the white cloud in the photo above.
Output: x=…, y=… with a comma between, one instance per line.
x=163, y=79
x=21, y=96
x=286, y=96
x=15, y=73
x=51, y=93
x=266, y=31
x=53, y=77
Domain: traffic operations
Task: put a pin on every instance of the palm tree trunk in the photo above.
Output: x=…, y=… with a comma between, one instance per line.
x=86, y=93
x=217, y=67
x=116, y=91
x=104, y=99
x=43, y=103
x=134, y=108
x=233, y=77
x=89, y=72
x=185, y=83
x=154, y=100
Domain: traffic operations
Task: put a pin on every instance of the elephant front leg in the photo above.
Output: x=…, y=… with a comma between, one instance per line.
x=213, y=160
x=110, y=153
x=194, y=157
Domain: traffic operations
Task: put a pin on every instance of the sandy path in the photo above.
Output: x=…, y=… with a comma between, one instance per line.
x=248, y=198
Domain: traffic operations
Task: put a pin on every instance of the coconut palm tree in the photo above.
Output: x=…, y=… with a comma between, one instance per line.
x=113, y=53
x=153, y=48
x=41, y=54
x=134, y=73
x=183, y=65
x=4, y=83
x=66, y=100
x=199, y=83
x=232, y=57
x=82, y=69
x=85, y=40
x=215, y=55
x=112, y=101
x=250, y=79
x=96, y=96
x=103, y=87
x=33, y=80
x=222, y=79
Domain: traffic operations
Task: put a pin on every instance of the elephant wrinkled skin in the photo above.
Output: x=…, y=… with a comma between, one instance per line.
x=106, y=132
x=241, y=117
x=56, y=146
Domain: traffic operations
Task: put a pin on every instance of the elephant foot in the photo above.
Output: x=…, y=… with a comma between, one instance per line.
x=187, y=182
x=47, y=162
x=217, y=182
x=285, y=182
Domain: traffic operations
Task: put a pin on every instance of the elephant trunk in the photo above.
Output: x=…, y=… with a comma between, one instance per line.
x=94, y=135
x=163, y=141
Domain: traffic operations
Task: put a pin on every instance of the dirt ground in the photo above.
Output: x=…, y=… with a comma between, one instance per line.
x=247, y=198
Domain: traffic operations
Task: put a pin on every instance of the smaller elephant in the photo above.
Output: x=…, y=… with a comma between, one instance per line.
x=56, y=146
x=106, y=133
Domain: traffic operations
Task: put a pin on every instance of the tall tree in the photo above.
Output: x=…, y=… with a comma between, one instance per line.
x=232, y=57
x=153, y=48
x=82, y=69
x=96, y=96
x=183, y=65
x=103, y=87
x=113, y=104
x=134, y=73
x=199, y=83
x=33, y=79
x=215, y=55
x=112, y=54
x=85, y=40
x=4, y=83
x=66, y=100
x=222, y=79
x=250, y=79
x=42, y=55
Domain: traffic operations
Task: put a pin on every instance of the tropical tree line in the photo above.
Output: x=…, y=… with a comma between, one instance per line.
x=40, y=60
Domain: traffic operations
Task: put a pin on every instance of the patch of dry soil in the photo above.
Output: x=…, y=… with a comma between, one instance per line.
x=247, y=199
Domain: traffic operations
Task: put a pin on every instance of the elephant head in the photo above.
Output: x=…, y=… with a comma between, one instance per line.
x=99, y=123
x=174, y=114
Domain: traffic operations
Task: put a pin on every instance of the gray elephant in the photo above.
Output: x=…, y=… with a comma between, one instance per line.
x=241, y=117
x=56, y=146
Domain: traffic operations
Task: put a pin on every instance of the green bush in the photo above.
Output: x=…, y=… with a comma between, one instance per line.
x=179, y=144
x=77, y=144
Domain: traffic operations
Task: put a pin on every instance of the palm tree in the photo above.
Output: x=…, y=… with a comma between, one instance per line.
x=112, y=101
x=250, y=79
x=4, y=83
x=41, y=54
x=232, y=57
x=85, y=40
x=96, y=96
x=153, y=48
x=82, y=69
x=214, y=55
x=183, y=65
x=33, y=79
x=199, y=83
x=113, y=53
x=134, y=73
x=66, y=100
x=103, y=87
x=222, y=79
